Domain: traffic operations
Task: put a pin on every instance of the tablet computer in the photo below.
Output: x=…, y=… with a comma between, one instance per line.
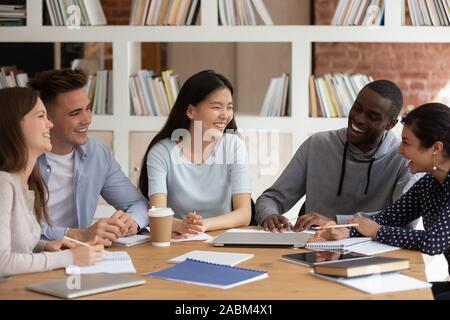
x=320, y=257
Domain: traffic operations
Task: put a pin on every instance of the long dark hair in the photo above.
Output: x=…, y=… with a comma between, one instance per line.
x=196, y=89
x=15, y=103
x=430, y=123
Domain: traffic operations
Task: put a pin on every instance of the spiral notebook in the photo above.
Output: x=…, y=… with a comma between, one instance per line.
x=379, y=283
x=336, y=244
x=115, y=262
x=209, y=274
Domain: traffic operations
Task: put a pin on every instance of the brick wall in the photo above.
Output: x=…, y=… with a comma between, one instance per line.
x=421, y=70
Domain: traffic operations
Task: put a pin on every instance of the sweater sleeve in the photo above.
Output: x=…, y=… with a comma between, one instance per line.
x=22, y=262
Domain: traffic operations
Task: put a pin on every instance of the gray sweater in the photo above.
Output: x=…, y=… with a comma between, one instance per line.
x=369, y=181
x=21, y=250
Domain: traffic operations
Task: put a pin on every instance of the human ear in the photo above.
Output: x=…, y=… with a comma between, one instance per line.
x=391, y=124
x=190, y=112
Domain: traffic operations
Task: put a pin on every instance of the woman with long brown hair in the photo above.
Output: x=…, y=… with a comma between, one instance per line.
x=197, y=164
x=24, y=136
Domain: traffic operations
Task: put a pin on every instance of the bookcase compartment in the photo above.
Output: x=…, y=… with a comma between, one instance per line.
x=249, y=66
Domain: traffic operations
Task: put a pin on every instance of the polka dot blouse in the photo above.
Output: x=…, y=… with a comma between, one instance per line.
x=427, y=199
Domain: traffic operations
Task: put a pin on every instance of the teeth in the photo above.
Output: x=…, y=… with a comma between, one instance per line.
x=46, y=135
x=357, y=129
x=81, y=130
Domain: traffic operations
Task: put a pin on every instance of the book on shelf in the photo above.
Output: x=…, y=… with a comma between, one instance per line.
x=332, y=95
x=10, y=77
x=276, y=100
x=379, y=283
x=243, y=12
x=209, y=274
x=99, y=91
x=164, y=12
x=358, y=13
x=153, y=95
x=59, y=13
x=429, y=12
x=362, y=267
x=12, y=13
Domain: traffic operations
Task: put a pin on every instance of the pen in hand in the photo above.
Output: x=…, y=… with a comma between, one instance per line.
x=81, y=243
x=334, y=226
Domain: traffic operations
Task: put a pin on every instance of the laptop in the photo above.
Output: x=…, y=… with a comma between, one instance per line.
x=87, y=284
x=263, y=239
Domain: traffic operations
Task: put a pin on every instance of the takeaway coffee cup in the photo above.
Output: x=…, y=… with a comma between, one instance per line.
x=160, y=220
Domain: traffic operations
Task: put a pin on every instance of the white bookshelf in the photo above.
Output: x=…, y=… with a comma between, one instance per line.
x=126, y=42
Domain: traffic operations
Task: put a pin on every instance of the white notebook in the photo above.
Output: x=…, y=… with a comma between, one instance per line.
x=224, y=258
x=372, y=247
x=132, y=240
x=380, y=283
x=114, y=262
x=336, y=244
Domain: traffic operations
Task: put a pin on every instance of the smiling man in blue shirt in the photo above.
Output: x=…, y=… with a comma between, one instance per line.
x=79, y=169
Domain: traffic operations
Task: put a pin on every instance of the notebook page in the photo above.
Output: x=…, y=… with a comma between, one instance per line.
x=197, y=237
x=114, y=262
x=336, y=244
x=372, y=247
x=225, y=258
x=380, y=283
x=131, y=240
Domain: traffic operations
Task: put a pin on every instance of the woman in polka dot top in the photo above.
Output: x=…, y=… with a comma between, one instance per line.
x=426, y=144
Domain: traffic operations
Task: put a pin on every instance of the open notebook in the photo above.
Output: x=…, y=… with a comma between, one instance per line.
x=379, y=283
x=209, y=274
x=114, y=262
x=336, y=244
x=132, y=240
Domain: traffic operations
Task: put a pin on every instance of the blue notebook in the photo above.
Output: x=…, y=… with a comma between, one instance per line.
x=209, y=274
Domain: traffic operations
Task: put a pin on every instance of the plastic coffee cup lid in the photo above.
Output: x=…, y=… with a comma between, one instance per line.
x=160, y=212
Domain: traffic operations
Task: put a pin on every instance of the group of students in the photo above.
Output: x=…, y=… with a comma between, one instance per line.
x=52, y=174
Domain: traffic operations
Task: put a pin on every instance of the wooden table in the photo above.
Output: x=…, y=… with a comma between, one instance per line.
x=286, y=280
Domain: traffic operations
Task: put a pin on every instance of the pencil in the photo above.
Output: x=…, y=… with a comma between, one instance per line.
x=336, y=226
x=81, y=243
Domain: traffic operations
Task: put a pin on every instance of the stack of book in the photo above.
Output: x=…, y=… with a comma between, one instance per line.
x=332, y=95
x=99, y=91
x=164, y=12
x=429, y=12
x=12, y=15
x=359, y=13
x=11, y=77
x=243, y=12
x=75, y=13
x=152, y=95
x=276, y=100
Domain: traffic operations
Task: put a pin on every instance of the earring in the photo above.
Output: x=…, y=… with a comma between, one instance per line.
x=434, y=162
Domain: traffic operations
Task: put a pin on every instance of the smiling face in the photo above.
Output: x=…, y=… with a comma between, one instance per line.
x=370, y=116
x=420, y=158
x=215, y=112
x=35, y=128
x=71, y=114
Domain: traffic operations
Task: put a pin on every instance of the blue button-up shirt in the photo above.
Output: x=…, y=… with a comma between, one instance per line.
x=96, y=173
